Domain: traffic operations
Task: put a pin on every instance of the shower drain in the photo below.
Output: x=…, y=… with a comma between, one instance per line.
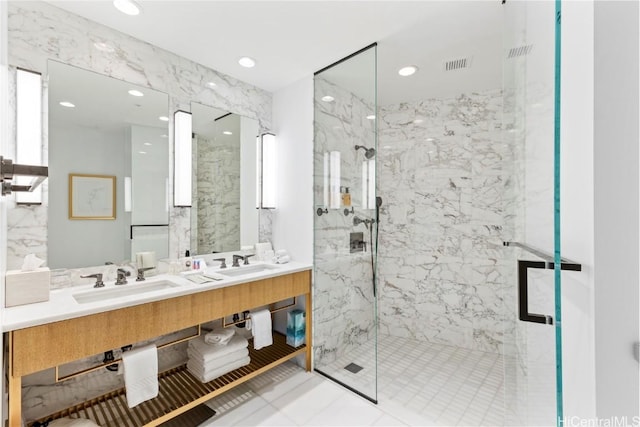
x=353, y=368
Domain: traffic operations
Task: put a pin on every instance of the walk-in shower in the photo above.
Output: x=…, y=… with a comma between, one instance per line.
x=464, y=163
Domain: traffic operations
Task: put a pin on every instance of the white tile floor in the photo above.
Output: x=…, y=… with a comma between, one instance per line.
x=289, y=396
x=444, y=385
x=424, y=384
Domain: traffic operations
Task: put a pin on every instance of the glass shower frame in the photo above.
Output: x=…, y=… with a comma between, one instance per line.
x=345, y=222
x=533, y=344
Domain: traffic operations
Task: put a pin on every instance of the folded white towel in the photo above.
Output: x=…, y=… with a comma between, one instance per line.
x=211, y=375
x=219, y=336
x=261, y=329
x=217, y=362
x=140, y=374
x=208, y=352
x=207, y=368
x=72, y=422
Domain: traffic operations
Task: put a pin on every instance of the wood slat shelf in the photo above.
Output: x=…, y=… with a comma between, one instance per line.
x=179, y=391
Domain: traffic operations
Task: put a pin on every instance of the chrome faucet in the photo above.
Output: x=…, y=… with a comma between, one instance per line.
x=141, y=271
x=121, y=278
x=223, y=262
x=236, y=258
x=98, y=277
x=246, y=258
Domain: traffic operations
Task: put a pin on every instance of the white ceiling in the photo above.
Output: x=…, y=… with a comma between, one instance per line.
x=292, y=39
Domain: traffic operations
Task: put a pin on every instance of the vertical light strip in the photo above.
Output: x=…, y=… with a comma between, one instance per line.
x=371, y=196
x=28, y=130
x=268, y=168
x=334, y=180
x=258, y=171
x=182, y=159
x=127, y=194
x=325, y=181
x=365, y=185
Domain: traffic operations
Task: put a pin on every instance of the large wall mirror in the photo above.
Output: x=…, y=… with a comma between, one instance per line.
x=224, y=215
x=104, y=131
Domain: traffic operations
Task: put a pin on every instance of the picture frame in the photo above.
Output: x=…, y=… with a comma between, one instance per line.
x=92, y=196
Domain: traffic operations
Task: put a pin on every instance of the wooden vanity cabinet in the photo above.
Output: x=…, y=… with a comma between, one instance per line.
x=81, y=337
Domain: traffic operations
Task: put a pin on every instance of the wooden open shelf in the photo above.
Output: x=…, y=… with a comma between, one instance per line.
x=179, y=391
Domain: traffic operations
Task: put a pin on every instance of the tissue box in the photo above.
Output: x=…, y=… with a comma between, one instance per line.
x=295, y=327
x=26, y=287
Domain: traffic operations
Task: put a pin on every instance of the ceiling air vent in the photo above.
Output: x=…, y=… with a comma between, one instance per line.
x=516, y=52
x=457, y=64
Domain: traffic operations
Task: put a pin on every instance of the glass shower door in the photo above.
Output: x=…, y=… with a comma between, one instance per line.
x=345, y=222
x=531, y=127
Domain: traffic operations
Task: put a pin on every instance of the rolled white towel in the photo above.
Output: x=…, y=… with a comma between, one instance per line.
x=219, y=336
x=283, y=259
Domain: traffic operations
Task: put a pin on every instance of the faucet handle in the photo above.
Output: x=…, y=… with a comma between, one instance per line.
x=223, y=262
x=98, y=277
x=141, y=271
x=236, y=258
x=246, y=258
x=121, y=276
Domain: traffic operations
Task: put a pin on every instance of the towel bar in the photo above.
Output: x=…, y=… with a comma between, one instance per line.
x=272, y=310
x=111, y=362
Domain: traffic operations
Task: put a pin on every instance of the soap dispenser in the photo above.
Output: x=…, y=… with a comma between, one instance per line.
x=346, y=197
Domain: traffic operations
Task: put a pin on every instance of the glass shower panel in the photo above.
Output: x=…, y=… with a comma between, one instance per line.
x=345, y=226
x=533, y=396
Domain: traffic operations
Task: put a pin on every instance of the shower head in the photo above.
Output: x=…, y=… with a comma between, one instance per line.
x=368, y=152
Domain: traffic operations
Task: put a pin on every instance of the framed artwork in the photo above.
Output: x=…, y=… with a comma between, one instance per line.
x=92, y=196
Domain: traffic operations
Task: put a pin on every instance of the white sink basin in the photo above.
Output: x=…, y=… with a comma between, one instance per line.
x=247, y=269
x=113, y=291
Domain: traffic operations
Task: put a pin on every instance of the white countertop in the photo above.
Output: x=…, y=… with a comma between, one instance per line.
x=62, y=305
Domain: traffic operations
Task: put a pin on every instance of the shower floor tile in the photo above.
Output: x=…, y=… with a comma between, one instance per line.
x=435, y=383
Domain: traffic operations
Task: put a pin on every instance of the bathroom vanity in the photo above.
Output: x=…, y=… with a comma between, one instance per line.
x=70, y=330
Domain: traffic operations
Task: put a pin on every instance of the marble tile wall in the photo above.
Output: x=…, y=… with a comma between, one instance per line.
x=218, y=194
x=343, y=297
x=39, y=32
x=442, y=173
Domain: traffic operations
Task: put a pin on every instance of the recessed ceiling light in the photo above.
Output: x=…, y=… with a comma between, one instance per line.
x=211, y=84
x=67, y=104
x=226, y=132
x=327, y=98
x=134, y=92
x=128, y=7
x=247, y=62
x=142, y=152
x=371, y=117
x=148, y=143
x=416, y=121
x=407, y=71
x=163, y=118
x=104, y=47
